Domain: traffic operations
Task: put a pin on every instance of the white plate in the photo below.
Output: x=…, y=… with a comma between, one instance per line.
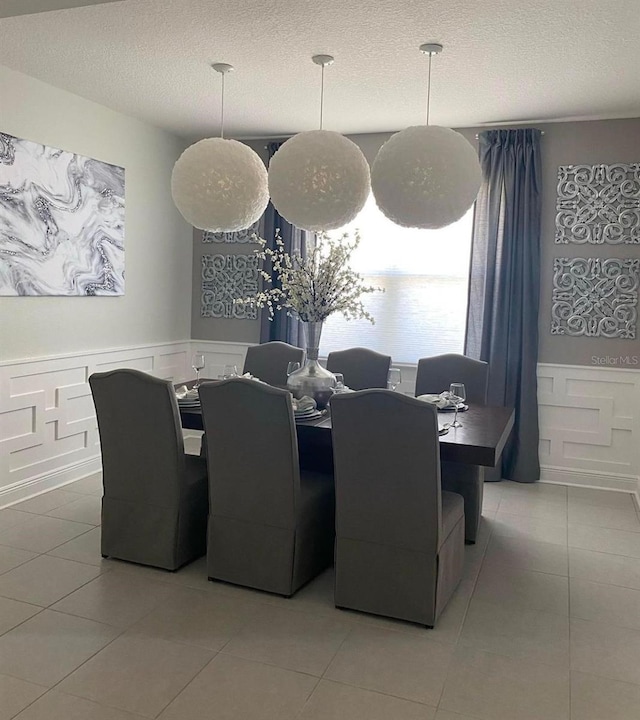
x=450, y=408
x=308, y=416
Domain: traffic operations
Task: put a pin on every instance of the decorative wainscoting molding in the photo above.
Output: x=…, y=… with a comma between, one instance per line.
x=589, y=419
x=598, y=204
x=48, y=431
x=590, y=425
x=595, y=297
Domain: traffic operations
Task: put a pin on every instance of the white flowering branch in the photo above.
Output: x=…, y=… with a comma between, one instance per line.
x=315, y=286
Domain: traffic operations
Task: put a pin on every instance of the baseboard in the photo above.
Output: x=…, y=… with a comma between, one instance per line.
x=12, y=494
x=582, y=478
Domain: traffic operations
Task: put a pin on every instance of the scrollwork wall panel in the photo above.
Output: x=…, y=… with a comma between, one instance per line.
x=598, y=204
x=226, y=278
x=240, y=236
x=595, y=298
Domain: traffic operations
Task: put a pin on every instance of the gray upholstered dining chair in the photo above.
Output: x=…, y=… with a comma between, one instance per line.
x=154, y=507
x=269, y=361
x=362, y=368
x=399, y=537
x=271, y=525
x=434, y=375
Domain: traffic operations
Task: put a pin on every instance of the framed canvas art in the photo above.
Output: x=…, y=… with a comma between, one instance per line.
x=61, y=222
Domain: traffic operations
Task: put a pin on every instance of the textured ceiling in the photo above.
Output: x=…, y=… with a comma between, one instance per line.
x=504, y=61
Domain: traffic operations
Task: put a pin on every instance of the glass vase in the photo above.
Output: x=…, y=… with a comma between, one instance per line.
x=312, y=379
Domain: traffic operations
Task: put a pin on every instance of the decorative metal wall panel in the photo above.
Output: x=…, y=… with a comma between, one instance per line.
x=226, y=278
x=595, y=298
x=61, y=222
x=240, y=236
x=598, y=204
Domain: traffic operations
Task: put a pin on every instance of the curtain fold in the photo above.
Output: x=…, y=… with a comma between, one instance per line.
x=504, y=287
x=283, y=327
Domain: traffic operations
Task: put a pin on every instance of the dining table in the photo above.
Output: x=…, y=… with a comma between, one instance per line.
x=479, y=441
x=476, y=444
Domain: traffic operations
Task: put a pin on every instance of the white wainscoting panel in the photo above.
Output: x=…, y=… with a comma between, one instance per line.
x=218, y=354
x=48, y=431
x=590, y=426
x=589, y=416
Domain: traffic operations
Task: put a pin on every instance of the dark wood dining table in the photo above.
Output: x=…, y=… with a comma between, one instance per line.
x=480, y=440
x=478, y=443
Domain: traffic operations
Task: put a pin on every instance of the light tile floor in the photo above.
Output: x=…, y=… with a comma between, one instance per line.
x=544, y=626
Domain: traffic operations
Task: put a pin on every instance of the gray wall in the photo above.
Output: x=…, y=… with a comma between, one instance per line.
x=158, y=249
x=606, y=141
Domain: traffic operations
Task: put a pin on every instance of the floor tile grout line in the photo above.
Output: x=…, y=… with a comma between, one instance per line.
x=35, y=700
x=55, y=547
x=474, y=580
x=84, y=662
x=20, y=564
x=335, y=654
x=456, y=644
x=22, y=622
x=54, y=557
x=244, y=659
x=64, y=485
x=16, y=506
x=376, y=692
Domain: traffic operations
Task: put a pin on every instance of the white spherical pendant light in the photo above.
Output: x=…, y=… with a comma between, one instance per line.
x=425, y=177
x=319, y=180
x=220, y=185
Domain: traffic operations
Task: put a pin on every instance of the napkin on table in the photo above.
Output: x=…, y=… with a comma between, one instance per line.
x=303, y=404
x=441, y=401
x=183, y=393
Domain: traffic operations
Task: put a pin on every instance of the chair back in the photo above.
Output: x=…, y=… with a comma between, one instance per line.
x=253, y=453
x=362, y=368
x=269, y=361
x=140, y=437
x=436, y=373
x=387, y=469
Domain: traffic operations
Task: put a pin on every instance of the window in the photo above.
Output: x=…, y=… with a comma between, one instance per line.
x=425, y=276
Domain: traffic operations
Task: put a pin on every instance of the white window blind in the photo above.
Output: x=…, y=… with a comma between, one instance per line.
x=425, y=276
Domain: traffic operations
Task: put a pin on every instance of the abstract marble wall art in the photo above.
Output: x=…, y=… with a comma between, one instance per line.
x=598, y=204
x=61, y=222
x=226, y=278
x=595, y=298
x=240, y=236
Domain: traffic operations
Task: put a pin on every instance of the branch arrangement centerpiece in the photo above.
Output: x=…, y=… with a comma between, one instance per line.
x=312, y=288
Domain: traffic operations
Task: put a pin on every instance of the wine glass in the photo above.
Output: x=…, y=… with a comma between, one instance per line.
x=292, y=367
x=457, y=395
x=197, y=363
x=394, y=378
x=230, y=371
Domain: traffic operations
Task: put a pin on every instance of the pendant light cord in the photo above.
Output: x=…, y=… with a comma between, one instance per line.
x=322, y=98
x=222, y=109
x=429, y=88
